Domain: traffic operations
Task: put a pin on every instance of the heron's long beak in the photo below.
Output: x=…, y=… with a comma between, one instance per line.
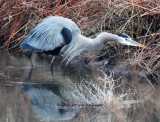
x=143, y=46
x=134, y=43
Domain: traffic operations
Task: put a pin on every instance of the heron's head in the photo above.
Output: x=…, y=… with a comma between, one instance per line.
x=126, y=40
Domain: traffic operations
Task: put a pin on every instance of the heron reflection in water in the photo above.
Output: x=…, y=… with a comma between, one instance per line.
x=46, y=98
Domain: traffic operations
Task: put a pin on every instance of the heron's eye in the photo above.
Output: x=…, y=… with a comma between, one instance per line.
x=127, y=39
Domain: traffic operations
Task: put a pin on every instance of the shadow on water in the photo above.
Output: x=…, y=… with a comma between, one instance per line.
x=33, y=95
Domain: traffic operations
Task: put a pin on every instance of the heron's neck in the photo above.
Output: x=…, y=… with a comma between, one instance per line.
x=103, y=38
x=106, y=37
x=97, y=42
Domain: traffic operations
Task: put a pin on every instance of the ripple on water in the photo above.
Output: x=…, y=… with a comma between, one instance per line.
x=10, y=67
x=1, y=74
x=26, y=67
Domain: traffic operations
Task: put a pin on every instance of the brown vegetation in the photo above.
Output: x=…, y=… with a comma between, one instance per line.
x=138, y=18
x=120, y=100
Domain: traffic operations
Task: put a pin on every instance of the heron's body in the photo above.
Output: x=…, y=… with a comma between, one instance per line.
x=48, y=35
x=57, y=34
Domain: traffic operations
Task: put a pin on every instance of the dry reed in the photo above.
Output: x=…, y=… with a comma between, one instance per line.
x=137, y=18
x=116, y=100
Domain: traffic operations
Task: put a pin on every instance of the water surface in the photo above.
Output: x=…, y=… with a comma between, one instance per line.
x=34, y=95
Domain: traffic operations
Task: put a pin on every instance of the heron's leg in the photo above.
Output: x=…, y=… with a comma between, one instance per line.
x=51, y=65
x=30, y=58
x=30, y=74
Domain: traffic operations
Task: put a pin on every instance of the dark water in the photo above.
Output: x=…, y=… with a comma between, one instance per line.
x=34, y=95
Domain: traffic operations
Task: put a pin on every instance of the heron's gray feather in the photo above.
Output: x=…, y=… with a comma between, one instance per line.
x=24, y=44
x=47, y=35
x=78, y=45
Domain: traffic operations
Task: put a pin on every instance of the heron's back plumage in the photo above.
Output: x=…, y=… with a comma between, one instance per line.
x=47, y=35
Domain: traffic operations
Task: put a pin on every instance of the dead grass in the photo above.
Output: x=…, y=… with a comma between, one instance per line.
x=100, y=93
x=121, y=101
x=137, y=18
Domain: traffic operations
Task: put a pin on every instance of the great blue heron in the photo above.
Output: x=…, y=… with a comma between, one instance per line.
x=57, y=34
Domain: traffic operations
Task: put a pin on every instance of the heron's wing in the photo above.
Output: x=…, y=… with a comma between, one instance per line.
x=48, y=34
x=24, y=44
x=44, y=37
